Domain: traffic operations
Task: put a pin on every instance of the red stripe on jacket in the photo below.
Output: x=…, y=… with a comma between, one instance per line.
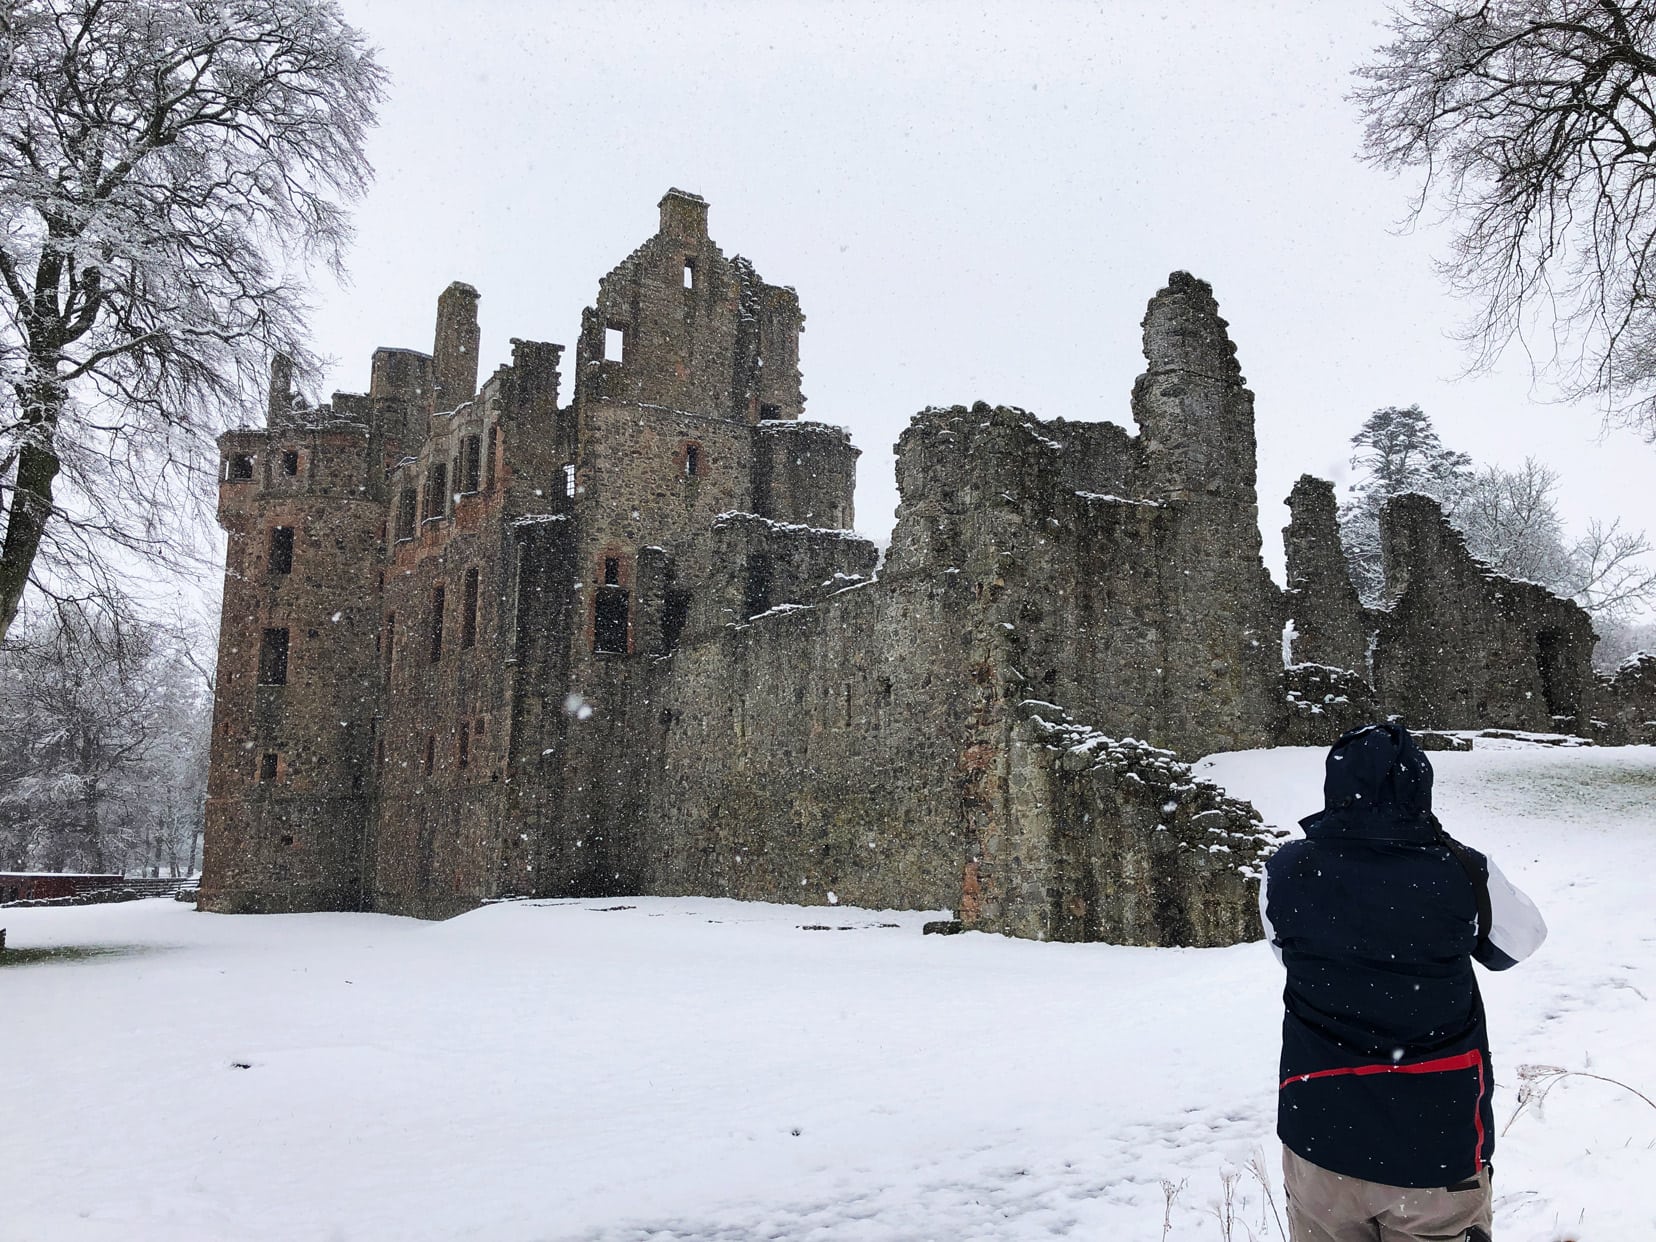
x=1466, y=1060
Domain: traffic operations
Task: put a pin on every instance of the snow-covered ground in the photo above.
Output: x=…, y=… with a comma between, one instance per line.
x=646, y=1070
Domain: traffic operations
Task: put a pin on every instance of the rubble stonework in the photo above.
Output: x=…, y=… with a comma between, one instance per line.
x=630, y=644
x=1327, y=620
x=1625, y=705
x=1460, y=647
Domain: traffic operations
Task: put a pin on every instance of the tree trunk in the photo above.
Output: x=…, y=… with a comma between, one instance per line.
x=37, y=469
x=90, y=828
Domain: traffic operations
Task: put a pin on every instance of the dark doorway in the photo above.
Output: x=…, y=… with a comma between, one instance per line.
x=1552, y=658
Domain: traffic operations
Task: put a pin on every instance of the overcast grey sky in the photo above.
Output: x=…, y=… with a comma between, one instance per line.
x=974, y=203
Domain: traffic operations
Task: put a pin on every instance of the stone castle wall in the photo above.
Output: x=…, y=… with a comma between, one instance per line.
x=629, y=644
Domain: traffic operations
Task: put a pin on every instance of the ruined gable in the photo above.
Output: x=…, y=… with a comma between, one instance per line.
x=679, y=325
x=1461, y=647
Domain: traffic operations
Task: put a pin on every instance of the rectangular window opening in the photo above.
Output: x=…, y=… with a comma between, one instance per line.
x=290, y=462
x=436, y=497
x=436, y=624
x=281, y=550
x=675, y=610
x=569, y=481
x=267, y=766
x=692, y=461
x=769, y=412
x=615, y=344
x=471, y=464
x=468, y=610
x=390, y=641
x=612, y=571
x=407, y=510
x=273, y=657
x=689, y=273
x=489, y=458
x=239, y=467
x=609, y=622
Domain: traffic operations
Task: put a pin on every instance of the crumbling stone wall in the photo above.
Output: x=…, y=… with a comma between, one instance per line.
x=1624, y=706
x=804, y=473
x=871, y=749
x=1328, y=620
x=1131, y=591
x=699, y=332
x=1324, y=702
x=1461, y=647
x=1116, y=840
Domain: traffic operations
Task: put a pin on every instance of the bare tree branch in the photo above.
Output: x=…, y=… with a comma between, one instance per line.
x=1533, y=126
x=170, y=157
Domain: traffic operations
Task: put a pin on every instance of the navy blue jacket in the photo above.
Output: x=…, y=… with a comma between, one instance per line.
x=1385, y=1071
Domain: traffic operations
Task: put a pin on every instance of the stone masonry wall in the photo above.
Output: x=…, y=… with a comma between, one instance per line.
x=1461, y=647
x=1129, y=593
x=1119, y=841
x=700, y=333
x=287, y=798
x=1328, y=619
x=804, y=473
x=1625, y=705
x=441, y=839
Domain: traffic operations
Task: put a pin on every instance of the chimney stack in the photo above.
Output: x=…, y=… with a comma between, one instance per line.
x=684, y=216
x=280, y=407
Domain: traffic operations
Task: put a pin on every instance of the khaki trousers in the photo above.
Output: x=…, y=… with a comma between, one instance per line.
x=1327, y=1207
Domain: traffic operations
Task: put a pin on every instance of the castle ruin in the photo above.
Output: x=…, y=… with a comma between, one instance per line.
x=479, y=644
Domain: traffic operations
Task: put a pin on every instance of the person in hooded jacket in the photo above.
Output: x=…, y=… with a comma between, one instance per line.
x=1378, y=914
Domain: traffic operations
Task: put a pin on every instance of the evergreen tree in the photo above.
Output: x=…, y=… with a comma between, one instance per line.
x=1396, y=451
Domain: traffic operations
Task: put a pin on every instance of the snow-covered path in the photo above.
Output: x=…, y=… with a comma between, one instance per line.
x=617, y=1071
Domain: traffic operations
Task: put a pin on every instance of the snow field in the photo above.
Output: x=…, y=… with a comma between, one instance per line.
x=646, y=1070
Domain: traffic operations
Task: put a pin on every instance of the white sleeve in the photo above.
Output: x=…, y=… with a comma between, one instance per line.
x=1265, y=919
x=1516, y=927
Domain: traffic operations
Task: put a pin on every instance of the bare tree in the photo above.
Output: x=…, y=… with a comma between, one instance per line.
x=1511, y=523
x=1609, y=572
x=104, y=732
x=1621, y=640
x=1533, y=123
x=169, y=169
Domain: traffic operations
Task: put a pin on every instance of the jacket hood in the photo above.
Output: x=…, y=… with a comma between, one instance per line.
x=1377, y=783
